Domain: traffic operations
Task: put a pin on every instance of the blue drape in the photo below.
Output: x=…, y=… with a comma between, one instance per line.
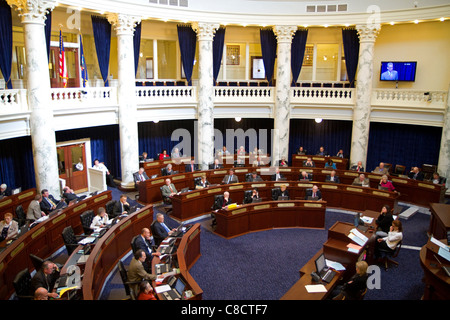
x=218, y=43
x=188, y=40
x=269, y=52
x=350, y=40
x=48, y=31
x=137, y=45
x=6, y=42
x=102, y=37
x=297, y=53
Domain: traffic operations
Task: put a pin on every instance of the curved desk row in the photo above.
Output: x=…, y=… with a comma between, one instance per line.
x=418, y=192
x=43, y=240
x=269, y=215
x=10, y=203
x=198, y=202
x=320, y=161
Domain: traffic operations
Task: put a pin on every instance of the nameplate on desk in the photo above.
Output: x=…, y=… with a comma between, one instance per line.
x=6, y=202
x=198, y=174
x=306, y=170
x=279, y=184
x=178, y=177
x=327, y=186
x=285, y=170
x=354, y=189
x=318, y=158
x=371, y=176
x=261, y=207
x=240, y=170
x=37, y=232
x=236, y=187
x=220, y=172
x=25, y=195
x=379, y=193
x=214, y=190
x=100, y=198
x=197, y=231
x=158, y=181
x=18, y=249
x=337, y=160
x=313, y=205
x=264, y=170
x=124, y=225
x=301, y=157
x=143, y=213
x=285, y=205
x=111, y=237
x=192, y=195
x=258, y=185
x=59, y=218
x=151, y=164
x=305, y=185
x=80, y=207
x=167, y=161
x=424, y=185
x=352, y=174
x=400, y=180
x=238, y=211
x=326, y=171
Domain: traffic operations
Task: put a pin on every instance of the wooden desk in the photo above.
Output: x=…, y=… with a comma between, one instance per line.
x=110, y=248
x=437, y=283
x=440, y=220
x=43, y=240
x=9, y=204
x=268, y=215
x=319, y=161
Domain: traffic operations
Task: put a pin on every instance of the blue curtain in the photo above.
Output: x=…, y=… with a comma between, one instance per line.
x=350, y=40
x=6, y=42
x=331, y=134
x=218, y=43
x=403, y=144
x=188, y=40
x=48, y=31
x=105, y=145
x=269, y=52
x=137, y=46
x=102, y=37
x=297, y=53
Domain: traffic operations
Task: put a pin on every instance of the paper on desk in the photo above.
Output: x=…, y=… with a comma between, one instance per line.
x=167, y=240
x=87, y=240
x=314, y=288
x=353, y=248
x=335, y=265
x=439, y=243
x=356, y=239
x=367, y=219
x=444, y=253
x=359, y=234
x=162, y=288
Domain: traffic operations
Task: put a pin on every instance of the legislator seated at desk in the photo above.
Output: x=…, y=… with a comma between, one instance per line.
x=384, y=221
x=381, y=169
x=168, y=190
x=9, y=229
x=361, y=181
x=415, y=174
x=230, y=178
x=321, y=152
x=191, y=167
x=140, y=176
x=251, y=196
x=305, y=176
x=5, y=191
x=313, y=194
x=254, y=177
x=278, y=176
x=438, y=179
x=46, y=278
x=301, y=151
x=359, y=167
x=121, y=207
x=202, y=183
x=332, y=177
x=220, y=202
x=136, y=271
x=160, y=230
x=34, y=211
x=309, y=163
x=386, y=184
x=216, y=165
x=145, y=243
x=280, y=193
x=49, y=203
x=70, y=196
x=283, y=162
x=167, y=171
x=356, y=287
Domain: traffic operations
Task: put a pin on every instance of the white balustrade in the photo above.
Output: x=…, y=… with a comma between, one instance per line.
x=310, y=95
x=166, y=94
x=252, y=95
x=63, y=98
x=408, y=98
x=13, y=101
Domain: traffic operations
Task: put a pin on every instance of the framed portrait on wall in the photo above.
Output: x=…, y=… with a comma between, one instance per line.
x=258, y=71
x=233, y=55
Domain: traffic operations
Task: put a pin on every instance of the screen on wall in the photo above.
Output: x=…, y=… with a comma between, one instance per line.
x=398, y=71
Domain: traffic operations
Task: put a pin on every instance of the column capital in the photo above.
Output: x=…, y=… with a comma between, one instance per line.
x=123, y=23
x=204, y=30
x=33, y=11
x=368, y=32
x=284, y=33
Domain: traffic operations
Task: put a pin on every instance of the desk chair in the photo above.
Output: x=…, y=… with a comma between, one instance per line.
x=37, y=262
x=167, y=201
x=109, y=206
x=216, y=206
x=86, y=220
x=22, y=285
x=399, y=169
x=21, y=216
x=275, y=194
x=126, y=283
x=248, y=196
x=387, y=255
x=70, y=239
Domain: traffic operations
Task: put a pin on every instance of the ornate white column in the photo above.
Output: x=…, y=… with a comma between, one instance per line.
x=129, y=147
x=361, y=111
x=444, y=152
x=282, y=112
x=32, y=14
x=205, y=113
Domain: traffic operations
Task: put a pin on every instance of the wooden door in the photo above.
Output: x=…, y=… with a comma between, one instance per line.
x=72, y=166
x=72, y=65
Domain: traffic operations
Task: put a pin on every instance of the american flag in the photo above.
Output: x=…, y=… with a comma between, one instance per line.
x=62, y=61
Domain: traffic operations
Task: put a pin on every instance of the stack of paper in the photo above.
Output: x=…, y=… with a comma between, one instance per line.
x=87, y=240
x=353, y=248
x=358, y=237
x=314, y=288
x=162, y=288
x=334, y=265
x=367, y=219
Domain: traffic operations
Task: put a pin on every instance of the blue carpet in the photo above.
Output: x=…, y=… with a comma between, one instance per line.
x=264, y=265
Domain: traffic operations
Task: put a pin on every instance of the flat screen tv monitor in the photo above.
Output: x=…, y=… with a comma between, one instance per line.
x=398, y=70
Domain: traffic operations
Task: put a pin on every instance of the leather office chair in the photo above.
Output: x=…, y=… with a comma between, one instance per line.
x=86, y=220
x=275, y=193
x=399, y=169
x=22, y=285
x=37, y=262
x=388, y=166
x=387, y=255
x=133, y=243
x=126, y=283
x=21, y=216
x=248, y=196
x=109, y=206
x=70, y=239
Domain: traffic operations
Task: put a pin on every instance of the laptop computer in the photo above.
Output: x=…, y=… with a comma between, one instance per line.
x=256, y=200
x=359, y=223
x=324, y=272
x=313, y=198
x=184, y=190
x=179, y=231
x=283, y=198
x=176, y=292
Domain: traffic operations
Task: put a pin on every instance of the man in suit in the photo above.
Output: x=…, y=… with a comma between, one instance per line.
x=359, y=167
x=340, y=153
x=191, y=167
x=314, y=193
x=139, y=176
x=254, y=177
x=144, y=242
x=216, y=165
x=48, y=203
x=136, y=271
x=361, y=181
x=280, y=192
x=34, y=210
x=69, y=195
x=168, y=190
x=309, y=163
x=415, y=174
x=5, y=191
x=332, y=177
x=46, y=278
x=160, y=229
x=437, y=179
x=305, y=176
x=381, y=169
x=230, y=178
x=202, y=183
x=278, y=176
x=121, y=207
x=321, y=152
x=390, y=74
